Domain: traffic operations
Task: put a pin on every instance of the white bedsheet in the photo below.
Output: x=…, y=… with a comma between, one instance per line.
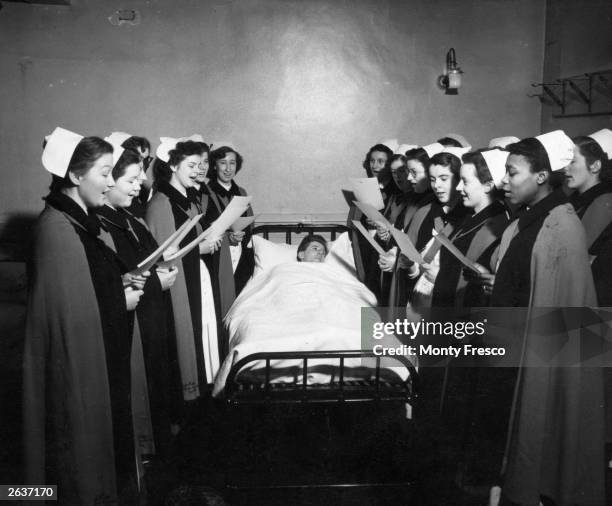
x=296, y=307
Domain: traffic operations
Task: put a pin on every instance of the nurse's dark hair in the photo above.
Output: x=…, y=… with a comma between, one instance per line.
x=127, y=158
x=396, y=158
x=449, y=142
x=447, y=160
x=482, y=170
x=419, y=155
x=308, y=240
x=219, y=154
x=592, y=152
x=533, y=151
x=205, y=148
x=161, y=169
x=135, y=143
x=377, y=147
x=86, y=154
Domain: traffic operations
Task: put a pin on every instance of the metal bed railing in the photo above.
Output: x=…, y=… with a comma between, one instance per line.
x=375, y=388
x=299, y=228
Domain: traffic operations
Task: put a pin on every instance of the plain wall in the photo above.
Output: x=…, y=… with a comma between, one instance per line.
x=302, y=88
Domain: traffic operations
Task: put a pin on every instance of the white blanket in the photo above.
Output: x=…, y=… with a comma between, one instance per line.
x=296, y=307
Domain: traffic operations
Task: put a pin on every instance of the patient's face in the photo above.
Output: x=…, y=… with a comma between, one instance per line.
x=314, y=252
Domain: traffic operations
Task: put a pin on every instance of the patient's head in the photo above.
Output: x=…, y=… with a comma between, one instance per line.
x=313, y=248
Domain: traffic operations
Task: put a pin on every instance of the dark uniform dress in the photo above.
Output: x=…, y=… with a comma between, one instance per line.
x=77, y=411
x=556, y=428
x=133, y=242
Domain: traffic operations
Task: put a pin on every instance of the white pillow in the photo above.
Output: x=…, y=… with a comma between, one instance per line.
x=341, y=254
x=269, y=254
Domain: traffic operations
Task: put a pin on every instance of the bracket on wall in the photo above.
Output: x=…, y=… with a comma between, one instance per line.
x=584, y=88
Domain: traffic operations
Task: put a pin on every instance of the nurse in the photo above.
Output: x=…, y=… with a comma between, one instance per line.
x=478, y=236
x=471, y=396
x=77, y=415
x=395, y=208
x=444, y=213
x=554, y=448
x=225, y=164
x=589, y=175
x=193, y=306
x=152, y=325
x=417, y=162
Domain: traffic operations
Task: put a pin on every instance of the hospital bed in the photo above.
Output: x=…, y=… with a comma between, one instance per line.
x=301, y=375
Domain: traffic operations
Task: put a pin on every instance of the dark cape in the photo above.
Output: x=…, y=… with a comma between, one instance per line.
x=557, y=422
x=477, y=238
x=227, y=284
x=401, y=285
x=594, y=207
x=471, y=396
x=167, y=210
x=77, y=415
x=419, y=221
x=133, y=242
x=394, y=210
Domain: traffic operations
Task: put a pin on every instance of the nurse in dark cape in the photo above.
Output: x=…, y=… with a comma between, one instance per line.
x=393, y=211
x=376, y=164
x=153, y=325
x=193, y=305
x=77, y=414
x=470, y=397
x=556, y=429
x=479, y=235
x=232, y=266
x=444, y=214
x=417, y=161
x=590, y=175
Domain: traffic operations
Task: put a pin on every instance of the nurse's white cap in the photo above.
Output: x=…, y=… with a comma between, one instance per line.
x=220, y=144
x=166, y=145
x=116, y=139
x=458, y=152
x=559, y=147
x=392, y=144
x=460, y=139
x=502, y=142
x=402, y=148
x=433, y=149
x=59, y=150
x=496, y=162
x=604, y=139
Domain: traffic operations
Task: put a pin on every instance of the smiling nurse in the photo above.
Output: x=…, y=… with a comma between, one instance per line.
x=77, y=415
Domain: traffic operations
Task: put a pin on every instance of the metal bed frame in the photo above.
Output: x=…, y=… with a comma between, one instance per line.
x=379, y=388
x=365, y=390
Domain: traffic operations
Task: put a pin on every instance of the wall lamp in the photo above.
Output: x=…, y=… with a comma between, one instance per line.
x=451, y=81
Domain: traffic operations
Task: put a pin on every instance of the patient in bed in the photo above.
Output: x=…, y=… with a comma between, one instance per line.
x=313, y=248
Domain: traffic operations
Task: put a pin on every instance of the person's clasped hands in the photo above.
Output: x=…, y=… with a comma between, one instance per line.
x=484, y=278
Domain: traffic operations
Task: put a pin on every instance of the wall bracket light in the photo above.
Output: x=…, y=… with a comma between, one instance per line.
x=451, y=81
